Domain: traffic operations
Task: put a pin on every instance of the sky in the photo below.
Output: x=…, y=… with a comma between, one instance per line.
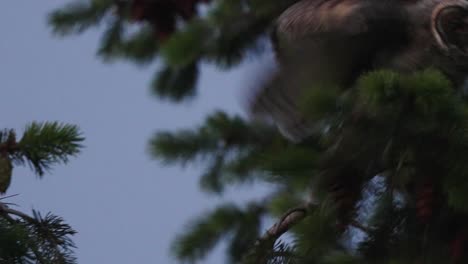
x=126, y=206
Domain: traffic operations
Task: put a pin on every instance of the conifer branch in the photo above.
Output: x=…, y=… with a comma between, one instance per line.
x=48, y=238
x=7, y=211
x=289, y=219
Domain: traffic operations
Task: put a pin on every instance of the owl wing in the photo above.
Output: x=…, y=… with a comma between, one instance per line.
x=326, y=42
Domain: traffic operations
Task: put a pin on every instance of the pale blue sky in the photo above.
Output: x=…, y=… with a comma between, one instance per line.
x=125, y=206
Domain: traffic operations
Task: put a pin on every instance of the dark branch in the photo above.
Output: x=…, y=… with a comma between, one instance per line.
x=7, y=211
x=288, y=220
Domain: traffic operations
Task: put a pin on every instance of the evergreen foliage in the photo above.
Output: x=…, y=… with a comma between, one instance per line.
x=404, y=134
x=409, y=129
x=224, y=33
x=35, y=238
x=237, y=224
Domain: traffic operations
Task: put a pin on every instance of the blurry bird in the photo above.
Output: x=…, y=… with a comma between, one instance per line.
x=335, y=41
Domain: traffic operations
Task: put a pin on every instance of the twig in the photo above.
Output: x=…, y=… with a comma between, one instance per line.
x=9, y=196
x=6, y=211
x=287, y=221
x=359, y=226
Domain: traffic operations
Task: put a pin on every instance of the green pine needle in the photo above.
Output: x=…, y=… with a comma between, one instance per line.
x=176, y=83
x=45, y=144
x=78, y=16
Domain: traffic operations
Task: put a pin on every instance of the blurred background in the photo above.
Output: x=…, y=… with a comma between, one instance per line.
x=125, y=206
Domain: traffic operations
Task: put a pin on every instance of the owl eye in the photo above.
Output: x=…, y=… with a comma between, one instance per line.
x=451, y=27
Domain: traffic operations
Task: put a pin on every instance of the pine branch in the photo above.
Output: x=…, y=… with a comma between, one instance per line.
x=176, y=83
x=44, y=144
x=79, y=16
x=7, y=211
x=203, y=234
x=41, y=146
x=289, y=219
x=239, y=225
x=47, y=237
x=225, y=35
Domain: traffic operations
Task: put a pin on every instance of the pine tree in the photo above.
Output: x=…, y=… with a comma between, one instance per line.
x=381, y=179
x=181, y=34
x=35, y=238
x=388, y=168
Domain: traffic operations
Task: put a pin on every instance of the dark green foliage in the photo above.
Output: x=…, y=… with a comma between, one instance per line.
x=51, y=238
x=44, y=144
x=35, y=239
x=137, y=46
x=79, y=16
x=206, y=232
x=14, y=243
x=281, y=253
x=187, y=45
x=175, y=83
x=241, y=227
x=6, y=169
x=226, y=34
x=410, y=130
x=231, y=147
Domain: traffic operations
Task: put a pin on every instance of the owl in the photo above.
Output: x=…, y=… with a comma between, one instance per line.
x=335, y=41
